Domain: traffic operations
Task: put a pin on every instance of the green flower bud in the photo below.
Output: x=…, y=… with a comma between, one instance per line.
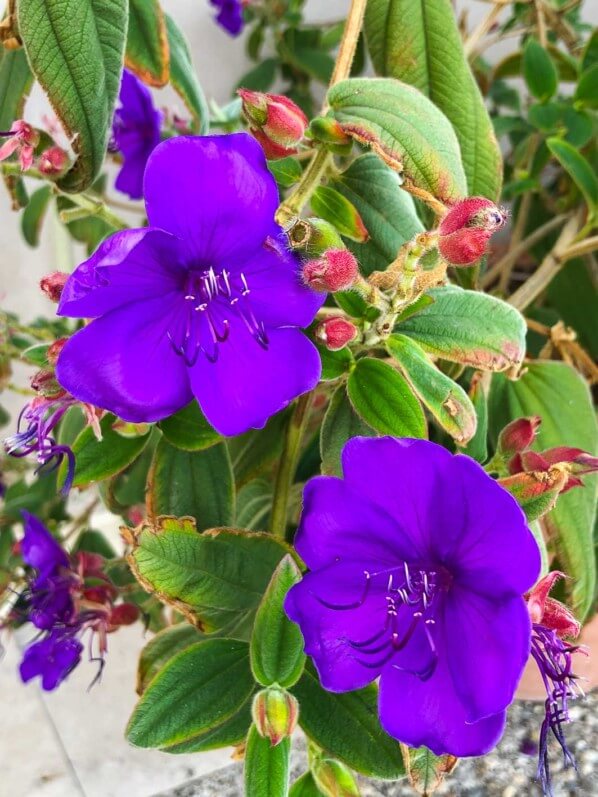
x=275, y=712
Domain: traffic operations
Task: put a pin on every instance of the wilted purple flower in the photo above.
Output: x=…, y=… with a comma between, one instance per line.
x=135, y=133
x=52, y=658
x=230, y=15
x=205, y=302
x=419, y=561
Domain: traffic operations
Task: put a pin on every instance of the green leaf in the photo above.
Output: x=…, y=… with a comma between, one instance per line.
x=216, y=579
x=147, y=53
x=197, y=484
x=573, y=293
x=586, y=92
x=266, y=768
x=477, y=448
x=286, y=171
x=99, y=459
x=254, y=452
x=425, y=770
x=335, y=364
x=261, y=77
x=575, y=126
x=188, y=429
x=329, y=204
x=347, y=727
x=316, y=63
x=579, y=169
x=305, y=786
x=539, y=71
x=183, y=77
x=230, y=732
x=161, y=648
x=341, y=423
x=387, y=211
x=383, y=399
x=556, y=393
x=94, y=542
x=197, y=690
x=418, y=42
x=33, y=215
x=277, y=644
x=254, y=502
x=75, y=49
x=446, y=400
x=15, y=81
x=470, y=328
x=405, y=130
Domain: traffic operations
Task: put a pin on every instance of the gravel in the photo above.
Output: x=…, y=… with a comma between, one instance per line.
x=506, y=772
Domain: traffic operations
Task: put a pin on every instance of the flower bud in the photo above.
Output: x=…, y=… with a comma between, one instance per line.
x=44, y=382
x=124, y=614
x=336, y=332
x=329, y=131
x=519, y=435
x=549, y=612
x=53, y=162
x=52, y=285
x=275, y=121
x=334, y=779
x=54, y=350
x=335, y=270
x=275, y=712
x=464, y=232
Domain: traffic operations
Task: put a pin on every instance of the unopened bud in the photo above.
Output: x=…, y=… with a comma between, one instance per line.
x=54, y=350
x=335, y=270
x=549, y=612
x=334, y=779
x=53, y=162
x=44, y=382
x=275, y=121
x=329, y=131
x=519, y=435
x=275, y=713
x=52, y=285
x=464, y=232
x=336, y=332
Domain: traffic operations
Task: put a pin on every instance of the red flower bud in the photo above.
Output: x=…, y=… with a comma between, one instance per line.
x=549, y=612
x=53, y=162
x=124, y=614
x=336, y=332
x=54, y=350
x=519, y=435
x=275, y=121
x=335, y=270
x=275, y=712
x=44, y=382
x=466, y=229
x=52, y=285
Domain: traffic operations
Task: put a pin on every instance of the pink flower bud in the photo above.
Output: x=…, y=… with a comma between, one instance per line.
x=275, y=121
x=336, y=332
x=52, y=285
x=466, y=229
x=549, y=612
x=335, y=270
x=275, y=713
x=54, y=350
x=518, y=435
x=53, y=162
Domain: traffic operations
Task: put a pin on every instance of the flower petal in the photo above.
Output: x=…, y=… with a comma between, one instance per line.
x=248, y=384
x=213, y=192
x=430, y=713
x=129, y=180
x=124, y=362
x=328, y=632
x=338, y=522
x=39, y=548
x=130, y=266
x=487, y=647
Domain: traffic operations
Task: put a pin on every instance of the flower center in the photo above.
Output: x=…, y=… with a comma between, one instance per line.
x=211, y=299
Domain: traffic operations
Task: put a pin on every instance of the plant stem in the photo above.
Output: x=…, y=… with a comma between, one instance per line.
x=312, y=176
x=582, y=248
x=288, y=465
x=474, y=39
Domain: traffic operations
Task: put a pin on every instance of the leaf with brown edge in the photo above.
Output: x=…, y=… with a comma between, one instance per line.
x=425, y=770
x=148, y=53
x=407, y=131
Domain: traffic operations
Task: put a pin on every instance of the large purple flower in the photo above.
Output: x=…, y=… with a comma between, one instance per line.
x=230, y=15
x=135, y=133
x=205, y=302
x=419, y=562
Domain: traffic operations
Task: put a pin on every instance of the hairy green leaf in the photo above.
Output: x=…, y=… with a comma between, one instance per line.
x=148, y=53
x=266, y=767
x=184, y=79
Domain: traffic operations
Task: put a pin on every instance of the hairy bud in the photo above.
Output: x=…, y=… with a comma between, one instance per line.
x=335, y=270
x=53, y=162
x=464, y=232
x=275, y=121
x=329, y=131
x=519, y=435
x=52, y=285
x=275, y=713
x=44, y=382
x=336, y=332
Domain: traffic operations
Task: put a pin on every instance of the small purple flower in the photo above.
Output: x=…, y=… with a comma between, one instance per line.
x=204, y=302
x=419, y=562
x=53, y=658
x=135, y=133
x=35, y=435
x=230, y=15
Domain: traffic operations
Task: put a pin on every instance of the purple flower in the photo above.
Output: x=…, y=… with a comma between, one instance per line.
x=35, y=435
x=52, y=658
x=205, y=302
x=419, y=561
x=135, y=133
x=230, y=15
